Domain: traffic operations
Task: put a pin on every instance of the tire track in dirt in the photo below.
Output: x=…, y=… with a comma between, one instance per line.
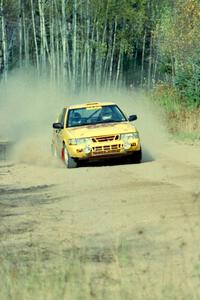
x=150, y=212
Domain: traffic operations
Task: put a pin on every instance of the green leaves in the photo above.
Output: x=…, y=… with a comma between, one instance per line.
x=177, y=37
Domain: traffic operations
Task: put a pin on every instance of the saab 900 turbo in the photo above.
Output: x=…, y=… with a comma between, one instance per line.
x=95, y=131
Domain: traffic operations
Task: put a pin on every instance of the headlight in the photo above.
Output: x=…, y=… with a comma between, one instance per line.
x=128, y=136
x=81, y=141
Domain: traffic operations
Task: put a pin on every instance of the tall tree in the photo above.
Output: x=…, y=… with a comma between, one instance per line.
x=4, y=49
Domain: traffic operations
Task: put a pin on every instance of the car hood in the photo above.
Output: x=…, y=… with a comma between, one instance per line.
x=101, y=129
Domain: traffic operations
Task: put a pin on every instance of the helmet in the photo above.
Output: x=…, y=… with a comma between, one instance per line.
x=76, y=119
x=106, y=113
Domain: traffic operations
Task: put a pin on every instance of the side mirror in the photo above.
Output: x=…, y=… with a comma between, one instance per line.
x=132, y=118
x=57, y=126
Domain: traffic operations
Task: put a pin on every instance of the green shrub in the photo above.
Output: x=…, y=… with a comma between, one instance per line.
x=167, y=96
x=187, y=81
x=182, y=117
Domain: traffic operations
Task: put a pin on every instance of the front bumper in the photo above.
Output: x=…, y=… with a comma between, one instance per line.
x=103, y=149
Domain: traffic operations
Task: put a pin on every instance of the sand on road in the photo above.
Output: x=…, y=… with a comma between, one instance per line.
x=153, y=209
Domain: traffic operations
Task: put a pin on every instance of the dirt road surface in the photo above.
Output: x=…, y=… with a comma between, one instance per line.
x=153, y=207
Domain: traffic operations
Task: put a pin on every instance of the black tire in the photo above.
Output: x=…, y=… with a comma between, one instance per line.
x=137, y=156
x=69, y=162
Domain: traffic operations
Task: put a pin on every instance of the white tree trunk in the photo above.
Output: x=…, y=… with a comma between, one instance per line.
x=44, y=49
x=142, y=63
x=20, y=34
x=107, y=60
x=4, y=42
x=150, y=62
x=112, y=52
x=52, y=43
x=42, y=36
x=64, y=40
x=118, y=66
x=88, y=46
x=35, y=38
x=26, y=38
x=97, y=59
x=103, y=56
x=74, y=46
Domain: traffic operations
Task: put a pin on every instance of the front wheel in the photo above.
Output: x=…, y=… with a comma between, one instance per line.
x=67, y=159
x=137, y=156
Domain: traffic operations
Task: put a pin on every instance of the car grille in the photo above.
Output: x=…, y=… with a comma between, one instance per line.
x=107, y=138
x=108, y=149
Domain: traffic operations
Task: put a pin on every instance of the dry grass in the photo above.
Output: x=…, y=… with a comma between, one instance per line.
x=90, y=273
x=182, y=121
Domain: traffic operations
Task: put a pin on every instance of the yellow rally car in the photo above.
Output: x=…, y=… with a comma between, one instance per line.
x=95, y=131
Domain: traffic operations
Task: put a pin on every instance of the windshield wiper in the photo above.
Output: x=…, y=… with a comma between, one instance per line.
x=112, y=121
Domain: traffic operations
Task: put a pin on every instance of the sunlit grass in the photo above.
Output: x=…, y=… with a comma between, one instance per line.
x=93, y=273
x=183, y=121
x=111, y=273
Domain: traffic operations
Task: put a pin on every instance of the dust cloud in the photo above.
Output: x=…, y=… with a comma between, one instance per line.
x=29, y=105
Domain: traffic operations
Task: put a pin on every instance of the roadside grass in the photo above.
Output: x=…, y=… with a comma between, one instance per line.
x=183, y=121
x=184, y=124
x=71, y=274
x=99, y=273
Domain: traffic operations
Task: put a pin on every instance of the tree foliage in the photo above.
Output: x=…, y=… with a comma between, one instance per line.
x=88, y=42
x=79, y=41
x=177, y=38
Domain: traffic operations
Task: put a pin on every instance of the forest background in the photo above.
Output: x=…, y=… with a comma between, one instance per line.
x=148, y=44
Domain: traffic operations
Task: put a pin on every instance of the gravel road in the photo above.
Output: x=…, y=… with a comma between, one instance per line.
x=154, y=207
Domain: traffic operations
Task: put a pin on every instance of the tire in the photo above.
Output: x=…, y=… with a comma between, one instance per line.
x=67, y=159
x=137, y=156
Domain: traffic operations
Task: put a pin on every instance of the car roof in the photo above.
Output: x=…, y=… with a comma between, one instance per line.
x=89, y=104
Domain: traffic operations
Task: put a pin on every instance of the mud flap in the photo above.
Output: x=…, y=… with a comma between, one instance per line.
x=63, y=154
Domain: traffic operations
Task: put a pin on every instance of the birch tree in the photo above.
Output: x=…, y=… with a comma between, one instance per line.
x=74, y=45
x=36, y=53
x=4, y=42
x=82, y=43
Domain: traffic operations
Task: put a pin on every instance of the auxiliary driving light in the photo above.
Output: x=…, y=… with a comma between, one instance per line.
x=87, y=149
x=127, y=146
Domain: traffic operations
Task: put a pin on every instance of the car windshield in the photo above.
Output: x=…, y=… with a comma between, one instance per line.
x=94, y=115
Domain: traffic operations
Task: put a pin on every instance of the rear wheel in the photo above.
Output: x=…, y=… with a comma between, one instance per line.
x=67, y=159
